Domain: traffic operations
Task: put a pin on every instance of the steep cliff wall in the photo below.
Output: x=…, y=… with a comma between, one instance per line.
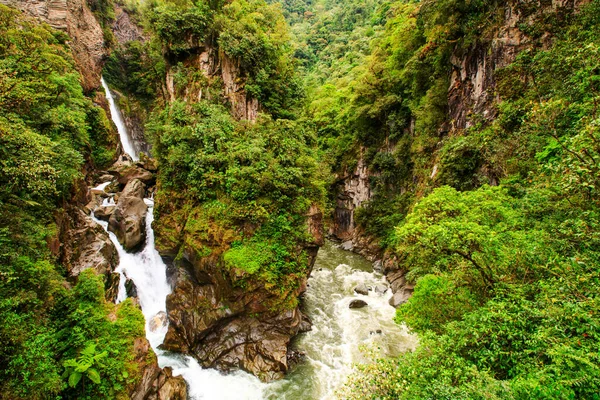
x=75, y=18
x=472, y=97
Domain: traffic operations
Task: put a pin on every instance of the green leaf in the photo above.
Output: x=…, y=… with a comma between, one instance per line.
x=93, y=375
x=74, y=378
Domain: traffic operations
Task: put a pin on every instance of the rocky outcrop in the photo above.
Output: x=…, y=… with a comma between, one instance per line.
x=82, y=244
x=124, y=28
x=216, y=68
x=128, y=221
x=473, y=82
x=126, y=171
x=75, y=18
x=227, y=319
x=155, y=383
x=353, y=190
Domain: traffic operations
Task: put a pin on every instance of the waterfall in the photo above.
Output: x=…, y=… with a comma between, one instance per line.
x=115, y=113
x=331, y=347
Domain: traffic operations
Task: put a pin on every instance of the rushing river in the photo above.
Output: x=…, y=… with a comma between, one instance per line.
x=331, y=347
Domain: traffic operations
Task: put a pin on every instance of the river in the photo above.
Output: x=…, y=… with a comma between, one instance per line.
x=330, y=348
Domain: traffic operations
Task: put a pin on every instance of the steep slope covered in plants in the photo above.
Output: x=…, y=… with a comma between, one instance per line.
x=240, y=191
x=456, y=96
x=62, y=335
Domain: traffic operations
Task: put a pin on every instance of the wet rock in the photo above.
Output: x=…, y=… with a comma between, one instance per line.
x=156, y=383
x=104, y=212
x=378, y=266
x=400, y=298
x=130, y=288
x=84, y=244
x=158, y=321
x=362, y=289
x=295, y=357
x=347, y=245
x=128, y=221
x=112, y=287
x=381, y=288
x=358, y=304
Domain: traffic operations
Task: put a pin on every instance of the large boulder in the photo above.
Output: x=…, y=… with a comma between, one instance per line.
x=128, y=221
x=81, y=244
x=362, y=289
x=228, y=319
x=358, y=304
x=156, y=383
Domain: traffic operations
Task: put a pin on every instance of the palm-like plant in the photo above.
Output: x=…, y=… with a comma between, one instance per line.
x=83, y=365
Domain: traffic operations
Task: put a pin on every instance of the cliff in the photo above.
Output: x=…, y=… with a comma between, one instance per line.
x=75, y=18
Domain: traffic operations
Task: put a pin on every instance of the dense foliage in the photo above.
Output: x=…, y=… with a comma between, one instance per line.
x=48, y=130
x=261, y=178
x=506, y=296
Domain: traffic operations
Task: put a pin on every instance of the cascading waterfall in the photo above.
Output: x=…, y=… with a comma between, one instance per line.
x=126, y=142
x=331, y=347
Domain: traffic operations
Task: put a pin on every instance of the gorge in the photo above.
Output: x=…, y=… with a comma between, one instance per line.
x=250, y=199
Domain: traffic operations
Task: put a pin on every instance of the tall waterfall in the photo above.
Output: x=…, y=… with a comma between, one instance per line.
x=331, y=347
x=115, y=113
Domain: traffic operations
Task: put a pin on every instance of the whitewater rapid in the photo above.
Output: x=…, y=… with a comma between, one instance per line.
x=331, y=347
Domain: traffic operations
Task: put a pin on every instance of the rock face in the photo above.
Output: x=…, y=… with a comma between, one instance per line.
x=83, y=244
x=473, y=82
x=156, y=383
x=75, y=18
x=223, y=317
x=128, y=221
x=217, y=66
x=353, y=190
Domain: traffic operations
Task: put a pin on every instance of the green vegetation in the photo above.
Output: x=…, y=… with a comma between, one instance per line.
x=48, y=129
x=259, y=177
x=506, y=302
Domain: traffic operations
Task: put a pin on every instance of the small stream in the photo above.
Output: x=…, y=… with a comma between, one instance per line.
x=330, y=348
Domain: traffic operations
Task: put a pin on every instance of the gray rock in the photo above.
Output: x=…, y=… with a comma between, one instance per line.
x=347, y=245
x=362, y=289
x=378, y=266
x=128, y=221
x=400, y=298
x=158, y=321
x=357, y=304
x=381, y=288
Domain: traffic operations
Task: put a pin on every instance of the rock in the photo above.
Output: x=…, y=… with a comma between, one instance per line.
x=381, y=288
x=378, y=266
x=156, y=383
x=106, y=178
x=295, y=357
x=128, y=221
x=104, y=212
x=130, y=288
x=396, y=280
x=400, y=298
x=347, y=245
x=357, y=304
x=112, y=286
x=362, y=289
x=126, y=170
x=158, y=321
x=85, y=244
